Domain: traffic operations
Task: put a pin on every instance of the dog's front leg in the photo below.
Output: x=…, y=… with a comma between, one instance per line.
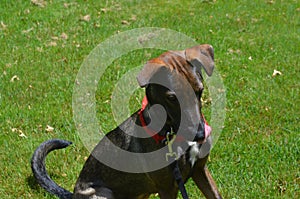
x=204, y=180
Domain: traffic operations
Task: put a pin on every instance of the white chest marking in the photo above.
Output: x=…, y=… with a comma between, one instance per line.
x=194, y=152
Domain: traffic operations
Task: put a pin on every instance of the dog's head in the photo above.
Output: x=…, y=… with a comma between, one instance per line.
x=174, y=80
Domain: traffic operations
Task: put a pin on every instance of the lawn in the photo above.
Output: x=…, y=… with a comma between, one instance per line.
x=43, y=46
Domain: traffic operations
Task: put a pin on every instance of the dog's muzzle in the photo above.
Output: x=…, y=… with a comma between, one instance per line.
x=204, y=131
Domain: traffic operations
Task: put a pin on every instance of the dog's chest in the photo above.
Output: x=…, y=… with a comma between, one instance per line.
x=193, y=152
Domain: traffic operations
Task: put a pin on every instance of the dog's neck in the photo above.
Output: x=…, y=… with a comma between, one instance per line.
x=147, y=119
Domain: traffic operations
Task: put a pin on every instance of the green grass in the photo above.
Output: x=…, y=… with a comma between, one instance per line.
x=257, y=154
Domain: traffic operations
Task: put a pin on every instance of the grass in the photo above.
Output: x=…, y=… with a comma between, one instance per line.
x=43, y=46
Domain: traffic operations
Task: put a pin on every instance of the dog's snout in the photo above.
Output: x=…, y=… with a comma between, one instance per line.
x=200, y=134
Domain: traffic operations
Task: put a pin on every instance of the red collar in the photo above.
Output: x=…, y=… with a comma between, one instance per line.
x=158, y=138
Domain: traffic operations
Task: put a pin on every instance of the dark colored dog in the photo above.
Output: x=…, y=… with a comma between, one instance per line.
x=173, y=81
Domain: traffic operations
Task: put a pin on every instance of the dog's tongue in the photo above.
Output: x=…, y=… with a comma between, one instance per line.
x=207, y=130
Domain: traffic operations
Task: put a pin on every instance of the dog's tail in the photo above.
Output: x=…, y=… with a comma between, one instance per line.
x=39, y=169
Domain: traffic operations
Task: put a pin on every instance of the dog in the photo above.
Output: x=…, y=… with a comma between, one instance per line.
x=173, y=85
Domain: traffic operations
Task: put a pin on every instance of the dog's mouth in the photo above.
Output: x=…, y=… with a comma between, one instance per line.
x=203, y=132
x=200, y=137
x=207, y=133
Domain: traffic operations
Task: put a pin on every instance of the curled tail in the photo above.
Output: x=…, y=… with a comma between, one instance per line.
x=39, y=169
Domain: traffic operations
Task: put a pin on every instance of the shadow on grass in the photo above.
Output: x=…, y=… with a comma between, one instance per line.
x=33, y=184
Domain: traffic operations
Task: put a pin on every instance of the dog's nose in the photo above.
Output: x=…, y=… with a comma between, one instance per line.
x=200, y=135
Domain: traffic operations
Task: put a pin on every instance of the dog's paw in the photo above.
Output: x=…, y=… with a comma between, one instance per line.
x=97, y=193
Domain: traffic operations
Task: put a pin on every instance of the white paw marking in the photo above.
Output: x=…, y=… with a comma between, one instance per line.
x=89, y=191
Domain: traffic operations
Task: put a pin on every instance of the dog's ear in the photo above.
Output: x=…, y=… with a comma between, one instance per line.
x=148, y=70
x=201, y=56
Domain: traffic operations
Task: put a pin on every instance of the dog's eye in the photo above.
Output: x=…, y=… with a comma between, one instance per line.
x=171, y=96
